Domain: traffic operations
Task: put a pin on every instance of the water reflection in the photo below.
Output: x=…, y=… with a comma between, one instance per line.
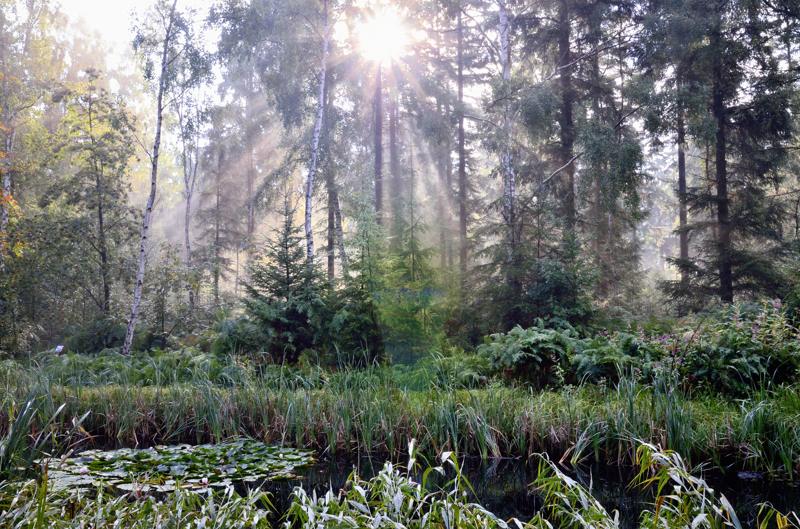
x=502, y=486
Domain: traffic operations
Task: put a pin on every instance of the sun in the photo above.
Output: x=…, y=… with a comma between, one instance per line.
x=383, y=37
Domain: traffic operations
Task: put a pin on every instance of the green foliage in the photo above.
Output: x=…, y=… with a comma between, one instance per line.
x=155, y=368
x=744, y=348
x=96, y=336
x=535, y=355
x=32, y=505
x=355, y=330
x=238, y=336
x=285, y=295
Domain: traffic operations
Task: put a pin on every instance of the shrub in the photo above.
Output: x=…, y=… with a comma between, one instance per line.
x=95, y=336
x=535, y=355
x=237, y=336
x=745, y=348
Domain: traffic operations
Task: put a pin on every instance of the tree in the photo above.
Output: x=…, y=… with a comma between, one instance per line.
x=191, y=118
x=315, y=137
x=220, y=216
x=166, y=39
x=745, y=125
x=98, y=144
x=284, y=295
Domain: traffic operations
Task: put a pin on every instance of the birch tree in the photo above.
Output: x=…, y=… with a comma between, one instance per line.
x=165, y=39
x=312, y=168
x=190, y=120
x=506, y=156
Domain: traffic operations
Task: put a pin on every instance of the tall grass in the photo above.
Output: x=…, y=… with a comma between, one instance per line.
x=369, y=412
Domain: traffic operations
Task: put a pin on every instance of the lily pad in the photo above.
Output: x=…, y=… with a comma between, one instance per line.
x=165, y=468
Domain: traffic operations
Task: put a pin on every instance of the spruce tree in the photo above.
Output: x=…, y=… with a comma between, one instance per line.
x=284, y=296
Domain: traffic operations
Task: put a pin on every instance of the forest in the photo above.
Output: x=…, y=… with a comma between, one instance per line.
x=435, y=264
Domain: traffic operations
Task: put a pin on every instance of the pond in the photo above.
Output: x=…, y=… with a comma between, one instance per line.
x=502, y=486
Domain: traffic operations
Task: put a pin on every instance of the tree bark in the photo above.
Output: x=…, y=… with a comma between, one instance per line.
x=395, y=184
x=102, y=244
x=151, y=199
x=217, y=270
x=723, y=215
x=251, y=169
x=337, y=213
x=312, y=169
x=683, y=214
x=6, y=195
x=462, y=155
x=378, y=145
x=506, y=157
x=189, y=162
x=566, y=122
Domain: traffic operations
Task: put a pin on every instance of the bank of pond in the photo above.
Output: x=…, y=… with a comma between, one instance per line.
x=245, y=483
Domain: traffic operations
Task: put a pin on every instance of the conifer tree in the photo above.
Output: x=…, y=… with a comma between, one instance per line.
x=284, y=295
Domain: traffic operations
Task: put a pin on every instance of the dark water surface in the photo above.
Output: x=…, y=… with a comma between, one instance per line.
x=502, y=486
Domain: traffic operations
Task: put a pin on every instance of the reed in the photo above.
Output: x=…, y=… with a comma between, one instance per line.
x=367, y=412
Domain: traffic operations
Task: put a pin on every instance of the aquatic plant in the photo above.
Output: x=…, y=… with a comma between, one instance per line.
x=166, y=468
x=33, y=505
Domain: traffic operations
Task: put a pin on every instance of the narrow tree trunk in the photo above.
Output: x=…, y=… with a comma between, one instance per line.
x=151, y=199
x=187, y=246
x=506, y=157
x=462, y=156
x=395, y=185
x=251, y=168
x=312, y=169
x=217, y=270
x=566, y=122
x=6, y=195
x=683, y=220
x=330, y=249
x=337, y=213
x=102, y=247
x=723, y=215
x=378, y=145
x=190, y=164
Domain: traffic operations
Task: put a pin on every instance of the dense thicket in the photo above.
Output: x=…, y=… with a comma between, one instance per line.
x=479, y=165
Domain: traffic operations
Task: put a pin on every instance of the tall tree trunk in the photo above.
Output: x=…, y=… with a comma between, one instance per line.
x=566, y=122
x=6, y=193
x=330, y=249
x=187, y=245
x=683, y=215
x=723, y=216
x=337, y=213
x=217, y=270
x=395, y=185
x=151, y=199
x=251, y=167
x=378, y=145
x=462, y=155
x=506, y=157
x=102, y=243
x=189, y=161
x=312, y=169
x=102, y=248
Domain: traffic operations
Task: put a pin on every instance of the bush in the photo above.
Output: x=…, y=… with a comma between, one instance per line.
x=607, y=357
x=454, y=368
x=744, y=348
x=238, y=336
x=536, y=355
x=95, y=336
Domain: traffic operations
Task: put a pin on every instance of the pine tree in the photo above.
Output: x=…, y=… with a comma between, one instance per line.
x=284, y=296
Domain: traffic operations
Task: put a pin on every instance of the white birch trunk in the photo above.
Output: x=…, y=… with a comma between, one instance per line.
x=151, y=199
x=312, y=169
x=506, y=157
